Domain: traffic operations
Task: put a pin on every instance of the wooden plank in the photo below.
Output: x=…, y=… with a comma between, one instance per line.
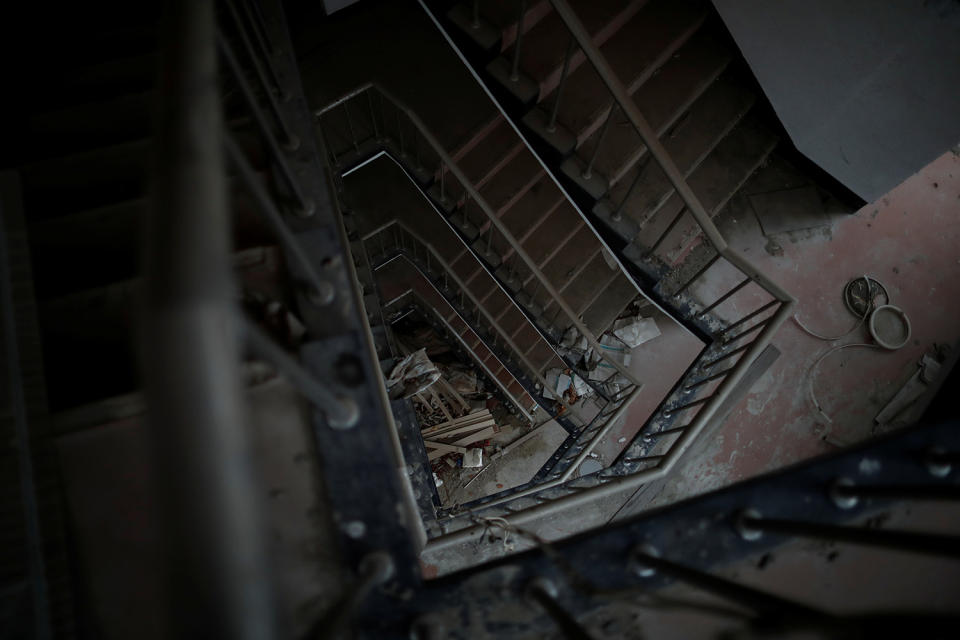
x=470, y=416
x=448, y=388
x=441, y=402
x=461, y=430
x=474, y=437
x=432, y=432
x=458, y=422
x=445, y=447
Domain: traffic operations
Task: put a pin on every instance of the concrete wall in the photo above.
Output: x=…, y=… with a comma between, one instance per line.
x=868, y=90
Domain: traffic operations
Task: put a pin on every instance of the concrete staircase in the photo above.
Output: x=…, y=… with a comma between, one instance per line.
x=675, y=63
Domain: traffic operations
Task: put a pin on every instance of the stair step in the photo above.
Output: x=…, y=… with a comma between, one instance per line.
x=88, y=249
x=601, y=313
x=489, y=152
x=641, y=46
x=509, y=185
x=592, y=280
x=99, y=177
x=95, y=247
x=540, y=200
x=552, y=232
x=543, y=48
x=117, y=77
x=700, y=131
x=86, y=180
x=88, y=336
x=715, y=181
x=503, y=14
x=662, y=100
x=92, y=124
x=573, y=255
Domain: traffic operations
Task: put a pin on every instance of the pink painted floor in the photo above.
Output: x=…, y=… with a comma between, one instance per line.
x=910, y=241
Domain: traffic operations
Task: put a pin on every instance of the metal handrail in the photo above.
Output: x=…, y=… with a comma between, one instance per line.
x=651, y=140
x=728, y=378
x=480, y=363
x=460, y=284
x=706, y=405
x=623, y=402
x=448, y=164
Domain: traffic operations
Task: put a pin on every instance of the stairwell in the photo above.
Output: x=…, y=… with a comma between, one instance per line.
x=620, y=129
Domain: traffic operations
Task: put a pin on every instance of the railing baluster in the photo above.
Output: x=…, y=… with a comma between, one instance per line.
x=647, y=562
x=341, y=412
x=552, y=122
x=515, y=65
x=708, y=379
x=617, y=214
x=403, y=149
x=266, y=46
x=443, y=191
x=696, y=403
x=747, y=317
x=292, y=141
x=745, y=332
x=373, y=115
x=752, y=525
x=307, y=206
x=249, y=178
x=588, y=170
x=666, y=232
x=726, y=356
x=724, y=297
x=697, y=275
x=353, y=135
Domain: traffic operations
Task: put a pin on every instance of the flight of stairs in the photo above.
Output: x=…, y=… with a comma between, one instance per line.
x=677, y=65
x=81, y=160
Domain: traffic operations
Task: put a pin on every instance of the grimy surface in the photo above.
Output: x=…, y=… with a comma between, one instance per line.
x=907, y=238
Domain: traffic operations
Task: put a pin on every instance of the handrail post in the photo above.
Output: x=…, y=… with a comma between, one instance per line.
x=515, y=65
x=218, y=582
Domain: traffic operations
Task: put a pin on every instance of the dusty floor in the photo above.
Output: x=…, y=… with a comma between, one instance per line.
x=910, y=241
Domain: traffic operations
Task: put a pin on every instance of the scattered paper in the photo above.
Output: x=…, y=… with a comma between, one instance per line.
x=473, y=458
x=635, y=331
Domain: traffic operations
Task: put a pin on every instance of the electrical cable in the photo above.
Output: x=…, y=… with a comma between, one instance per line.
x=866, y=313
x=811, y=372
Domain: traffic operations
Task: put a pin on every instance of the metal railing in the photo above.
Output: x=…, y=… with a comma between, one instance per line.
x=395, y=239
x=353, y=134
x=220, y=582
x=368, y=122
x=412, y=297
x=221, y=585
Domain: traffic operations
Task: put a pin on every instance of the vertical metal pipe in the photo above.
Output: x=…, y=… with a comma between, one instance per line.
x=546, y=598
x=618, y=212
x=588, y=171
x=373, y=115
x=552, y=122
x=443, y=192
x=702, y=270
x=515, y=66
x=306, y=205
x=266, y=47
x=475, y=24
x=403, y=151
x=292, y=141
x=666, y=232
x=725, y=297
x=353, y=135
x=21, y=442
x=217, y=578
